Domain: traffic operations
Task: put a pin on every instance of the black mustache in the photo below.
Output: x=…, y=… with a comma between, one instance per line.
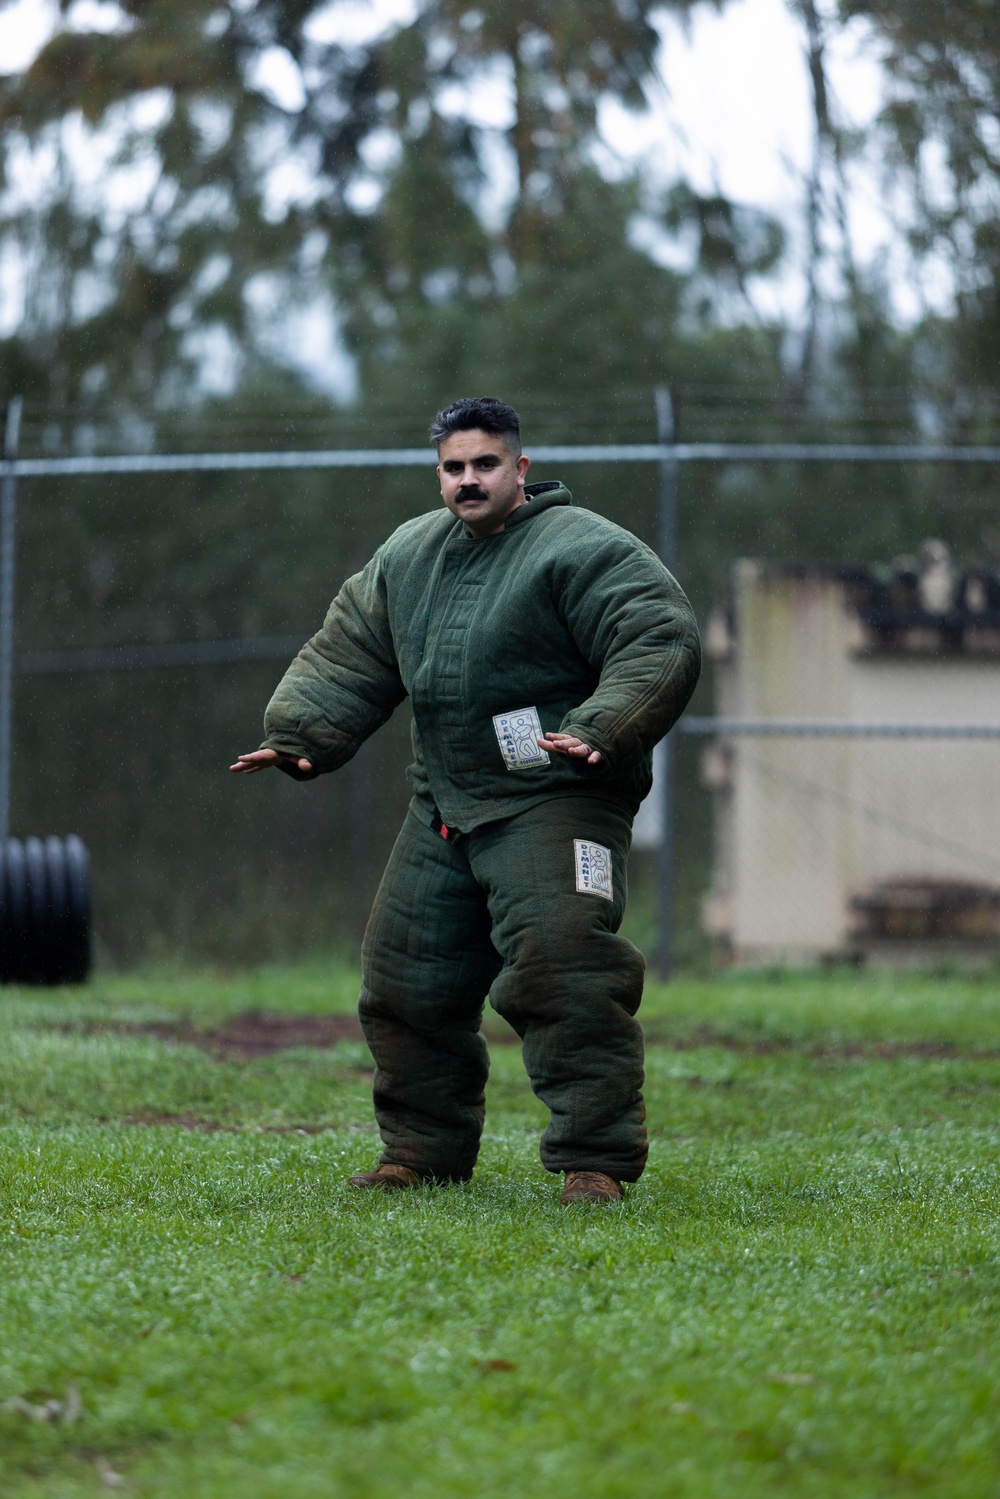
x=472, y=493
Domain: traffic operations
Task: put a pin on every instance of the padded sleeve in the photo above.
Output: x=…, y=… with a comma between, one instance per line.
x=343, y=684
x=632, y=622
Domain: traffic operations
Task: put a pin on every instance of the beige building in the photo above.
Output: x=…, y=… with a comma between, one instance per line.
x=828, y=847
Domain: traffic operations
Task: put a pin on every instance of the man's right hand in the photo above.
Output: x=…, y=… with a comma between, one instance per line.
x=263, y=759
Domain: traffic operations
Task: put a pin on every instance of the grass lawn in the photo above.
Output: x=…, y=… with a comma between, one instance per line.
x=800, y=1297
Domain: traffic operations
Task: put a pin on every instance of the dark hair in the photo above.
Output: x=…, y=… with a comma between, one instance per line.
x=484, y=412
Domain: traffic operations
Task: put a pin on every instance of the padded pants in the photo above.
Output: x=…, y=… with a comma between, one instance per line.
x=498, y=911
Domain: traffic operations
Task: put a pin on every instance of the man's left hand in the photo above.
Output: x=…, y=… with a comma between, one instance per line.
x=567, y=744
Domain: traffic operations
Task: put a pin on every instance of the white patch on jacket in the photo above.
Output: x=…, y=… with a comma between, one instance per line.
x=517, y=734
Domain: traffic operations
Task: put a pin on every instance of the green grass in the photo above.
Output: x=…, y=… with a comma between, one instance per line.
x=800, y=1297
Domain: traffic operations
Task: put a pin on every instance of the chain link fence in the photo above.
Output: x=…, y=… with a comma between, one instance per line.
x=159, y=596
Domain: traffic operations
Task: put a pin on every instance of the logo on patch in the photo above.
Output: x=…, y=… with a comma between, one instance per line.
x=517, y=734
x=593, y=868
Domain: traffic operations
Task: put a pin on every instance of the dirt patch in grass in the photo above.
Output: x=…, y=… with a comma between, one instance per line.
x=247, y=1036
x=262, y=1033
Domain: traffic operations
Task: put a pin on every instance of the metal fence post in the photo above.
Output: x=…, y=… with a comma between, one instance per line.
x=8, y=545
x=666, y=431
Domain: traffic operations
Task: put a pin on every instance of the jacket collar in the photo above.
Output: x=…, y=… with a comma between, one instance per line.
x=540, y=497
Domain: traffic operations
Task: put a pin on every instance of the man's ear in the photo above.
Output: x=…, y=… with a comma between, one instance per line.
x=523, y=465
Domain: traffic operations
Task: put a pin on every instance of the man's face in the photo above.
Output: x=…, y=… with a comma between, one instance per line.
x=482, y=481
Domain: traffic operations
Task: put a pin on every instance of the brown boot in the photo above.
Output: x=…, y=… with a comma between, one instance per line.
x=590, y=1186
x=387, y=1178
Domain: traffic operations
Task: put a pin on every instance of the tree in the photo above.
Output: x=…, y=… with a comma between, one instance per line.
x=939, y=132
x=395, y=208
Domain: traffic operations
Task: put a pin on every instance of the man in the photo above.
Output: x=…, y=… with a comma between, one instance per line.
x=545, y=651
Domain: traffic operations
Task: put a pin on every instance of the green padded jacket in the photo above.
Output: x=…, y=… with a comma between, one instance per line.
x=562, y=621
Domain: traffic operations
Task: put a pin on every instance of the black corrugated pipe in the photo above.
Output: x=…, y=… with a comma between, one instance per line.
x=44, y=911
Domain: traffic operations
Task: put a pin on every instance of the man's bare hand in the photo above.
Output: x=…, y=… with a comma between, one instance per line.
x=263, y=759
x=567, y=744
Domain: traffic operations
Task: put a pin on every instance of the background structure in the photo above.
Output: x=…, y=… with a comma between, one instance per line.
x=193, y=198
x=860, y=815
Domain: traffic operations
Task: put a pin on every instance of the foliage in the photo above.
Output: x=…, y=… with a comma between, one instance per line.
x=397, y=209
x=938, y=136
x=371, y=179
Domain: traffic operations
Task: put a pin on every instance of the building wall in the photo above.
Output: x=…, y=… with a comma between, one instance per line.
x=805, y=825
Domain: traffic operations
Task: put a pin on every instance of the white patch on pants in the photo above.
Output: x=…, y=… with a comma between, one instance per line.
x=517, y=734
x=593, y=868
